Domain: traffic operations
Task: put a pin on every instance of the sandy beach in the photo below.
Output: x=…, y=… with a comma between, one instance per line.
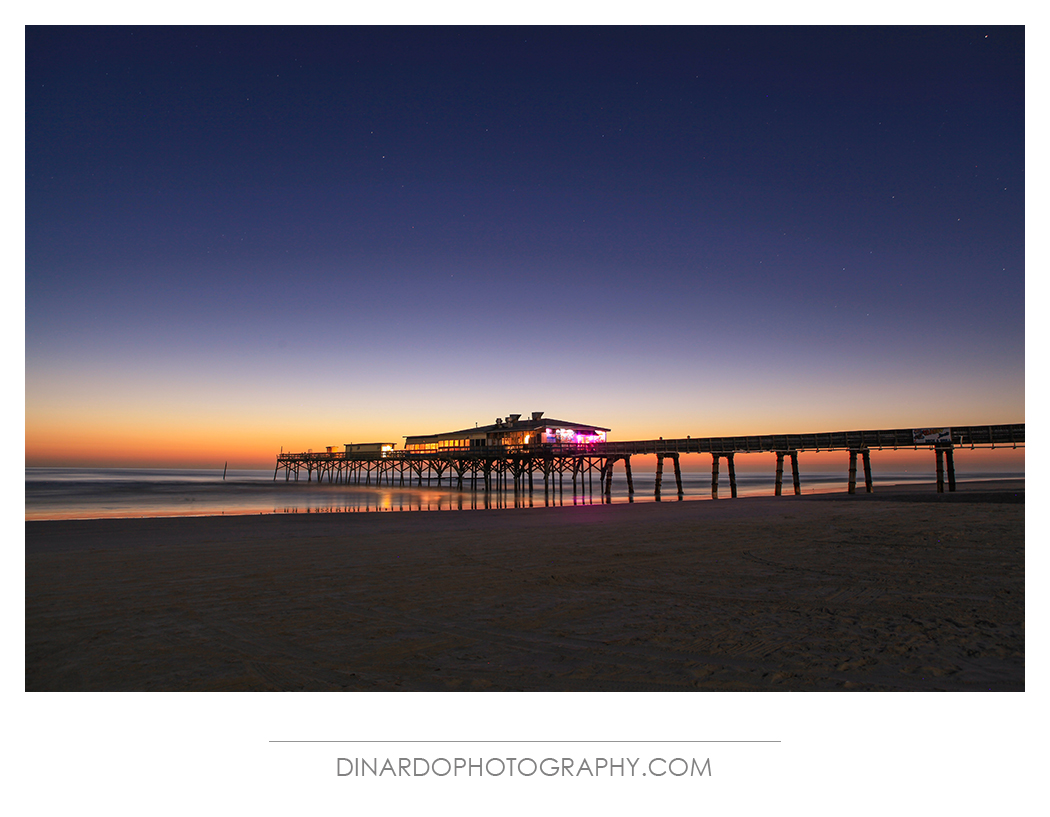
x=903, y=589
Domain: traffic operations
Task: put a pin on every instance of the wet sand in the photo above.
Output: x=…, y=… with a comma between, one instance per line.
x=904, y=589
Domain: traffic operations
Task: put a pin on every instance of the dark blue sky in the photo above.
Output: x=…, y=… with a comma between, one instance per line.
x=819, y=211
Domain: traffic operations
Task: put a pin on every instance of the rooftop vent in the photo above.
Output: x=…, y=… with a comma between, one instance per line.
x=536, y=415
x=513, y=418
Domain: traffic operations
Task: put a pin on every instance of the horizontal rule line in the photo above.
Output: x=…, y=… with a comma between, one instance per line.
x=525, y=741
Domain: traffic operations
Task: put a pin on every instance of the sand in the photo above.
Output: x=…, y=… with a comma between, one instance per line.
x=899, y=590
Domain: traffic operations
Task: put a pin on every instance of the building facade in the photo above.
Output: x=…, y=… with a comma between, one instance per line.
x=512, y=431
x=369, y=448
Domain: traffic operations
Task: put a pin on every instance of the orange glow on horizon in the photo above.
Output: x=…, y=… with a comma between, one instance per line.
x=145, y=435
x=254, y=446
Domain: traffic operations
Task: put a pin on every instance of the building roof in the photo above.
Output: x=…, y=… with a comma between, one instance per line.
x=510, y=424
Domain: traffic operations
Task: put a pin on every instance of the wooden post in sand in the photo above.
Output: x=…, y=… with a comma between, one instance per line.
x=677, y=475
x=732, y=476
x=627, y=468
x=780, y=473
x=659, y=473
x=794, y=473
x=940, y=470
x=949, y=455
x=852, y=472
x=714, y=476
x=866, y=455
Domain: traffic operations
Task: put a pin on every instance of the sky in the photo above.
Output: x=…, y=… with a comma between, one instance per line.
x=243, y=240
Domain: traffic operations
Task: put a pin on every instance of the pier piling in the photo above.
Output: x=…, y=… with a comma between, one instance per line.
x=715, y=457
x=778, y=489
x=945, y=452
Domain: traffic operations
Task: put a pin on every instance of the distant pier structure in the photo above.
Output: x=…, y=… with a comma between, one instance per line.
x=516, y=452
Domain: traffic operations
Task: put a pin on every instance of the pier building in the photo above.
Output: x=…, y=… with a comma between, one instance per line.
x=512, y=431
x=370, y=448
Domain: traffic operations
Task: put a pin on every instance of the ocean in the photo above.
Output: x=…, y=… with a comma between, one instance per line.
x=96, y=493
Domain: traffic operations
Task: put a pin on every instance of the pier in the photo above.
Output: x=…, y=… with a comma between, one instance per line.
x=501, y=467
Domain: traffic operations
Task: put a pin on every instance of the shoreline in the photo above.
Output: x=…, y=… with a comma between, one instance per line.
x=966, y=487
x=816, y=592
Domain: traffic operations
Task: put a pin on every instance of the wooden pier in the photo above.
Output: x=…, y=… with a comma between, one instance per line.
x=504, y=467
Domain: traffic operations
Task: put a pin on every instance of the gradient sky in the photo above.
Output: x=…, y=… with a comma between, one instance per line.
x=239, y=240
